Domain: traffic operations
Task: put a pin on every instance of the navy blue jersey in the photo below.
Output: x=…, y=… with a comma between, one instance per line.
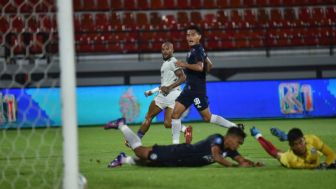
x=189, y=155
x=196, y=80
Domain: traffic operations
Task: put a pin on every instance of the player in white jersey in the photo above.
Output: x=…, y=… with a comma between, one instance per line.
x=169, y=90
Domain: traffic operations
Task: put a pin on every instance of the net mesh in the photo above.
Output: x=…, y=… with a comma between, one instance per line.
x=30, y=141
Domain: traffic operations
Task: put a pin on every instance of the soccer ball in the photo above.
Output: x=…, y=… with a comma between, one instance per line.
x=82, y=182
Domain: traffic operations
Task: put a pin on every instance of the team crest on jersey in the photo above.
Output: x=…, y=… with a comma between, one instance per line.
x=153, y=156
x=313, y=151
x=188, y=55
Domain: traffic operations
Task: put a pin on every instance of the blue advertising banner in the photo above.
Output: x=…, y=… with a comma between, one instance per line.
x=233, y=100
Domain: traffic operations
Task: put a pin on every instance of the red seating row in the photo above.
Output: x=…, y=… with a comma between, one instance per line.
x=106, y=5
x=138, y=42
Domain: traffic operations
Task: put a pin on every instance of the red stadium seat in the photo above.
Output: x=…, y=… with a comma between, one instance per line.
x=263, y=17
x=236, y=19
x=100, y=43
x=222, y=18
x=195, y=17
x=169, y=4
x=249, y=3
x=103, y=22
x=331, y=15
x=116, y=4
x=16, y=44
x=318, y=16
x=143, y=4
x=235, y=3
x=222, y=4
x=156, y=4
x=196, y=4
x=169, y=22
x=142, y=21
x=33, y=24
x=77, y=23
x=128, y=21
x=87, y=23
x=102, y=5
x=290, y=19
x=89, y=5
x=182, y=19
x=130, y=5
x=183, y=4
x=305, y=16
x=46, y=6
x=37, y=44
x=275, y=3
x=276, y=18
x=4, y=24
x=18, y=24
x=155, y=20
x=210, y=21
x=250, y=18
x=116, y=21
x=77, y=5
x=262, y=3
x=209, y=4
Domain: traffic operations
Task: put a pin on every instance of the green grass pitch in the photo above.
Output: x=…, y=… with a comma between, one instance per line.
x=97, y=147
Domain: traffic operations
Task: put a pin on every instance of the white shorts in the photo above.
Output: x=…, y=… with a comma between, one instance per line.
x=168, y=101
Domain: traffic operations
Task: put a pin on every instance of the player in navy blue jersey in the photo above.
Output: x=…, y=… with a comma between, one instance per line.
x=194, y=92
x=215, y=148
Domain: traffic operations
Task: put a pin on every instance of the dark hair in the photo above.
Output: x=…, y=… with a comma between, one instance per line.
x=236, y=131
x=294, y=134
x=196, y=28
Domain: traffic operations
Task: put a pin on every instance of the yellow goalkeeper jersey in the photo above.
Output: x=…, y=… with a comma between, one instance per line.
x=315, y=149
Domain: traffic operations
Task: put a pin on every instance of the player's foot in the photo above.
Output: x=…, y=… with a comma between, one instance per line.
x=254, y=132
x=117, y=161
x=188, y=134
x=241, y=126
x=281, y=135
x=115, y=123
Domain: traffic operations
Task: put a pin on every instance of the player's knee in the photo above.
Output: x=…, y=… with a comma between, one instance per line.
x=167, y=124
x=207, y=118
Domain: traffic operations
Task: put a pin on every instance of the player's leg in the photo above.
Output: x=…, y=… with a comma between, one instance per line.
x=168, y=119
x=267, y=145
x=179, y=108
x=202, y=105
x=153, y=110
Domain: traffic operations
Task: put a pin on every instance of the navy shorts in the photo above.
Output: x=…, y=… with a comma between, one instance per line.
x=178, y=155
x=187, y=98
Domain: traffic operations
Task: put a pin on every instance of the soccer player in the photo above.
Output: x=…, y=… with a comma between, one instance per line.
x=214, y=148
x=304, y=152
x=194, y=91
x=171, y=79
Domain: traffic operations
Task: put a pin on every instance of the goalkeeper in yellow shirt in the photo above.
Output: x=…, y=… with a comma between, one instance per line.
x=304, y=153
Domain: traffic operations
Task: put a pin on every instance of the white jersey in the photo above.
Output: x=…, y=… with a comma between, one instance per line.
x=168, y=69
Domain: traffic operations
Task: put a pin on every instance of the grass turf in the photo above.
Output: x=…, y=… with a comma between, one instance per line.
x=97, y=147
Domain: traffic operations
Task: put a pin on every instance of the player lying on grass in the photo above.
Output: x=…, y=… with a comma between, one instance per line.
x=214, y=148
x=194, y=92
x=304, y=152
x=171, y=79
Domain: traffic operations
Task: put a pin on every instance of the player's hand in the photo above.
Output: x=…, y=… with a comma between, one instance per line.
x=165, y=90
x=148, y=93
x=180, y=64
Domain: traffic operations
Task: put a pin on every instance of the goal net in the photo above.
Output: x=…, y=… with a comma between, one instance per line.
x=32, y=138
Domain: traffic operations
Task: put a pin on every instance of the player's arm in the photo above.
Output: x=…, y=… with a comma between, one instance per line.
x=198, y=67
x=209, y=64
x=325, y=149
x=181, y=78
x=243, y=162
x=217, y=156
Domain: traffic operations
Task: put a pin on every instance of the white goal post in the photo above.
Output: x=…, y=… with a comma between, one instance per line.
x=68, y=96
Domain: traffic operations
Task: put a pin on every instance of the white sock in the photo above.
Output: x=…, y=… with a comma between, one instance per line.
x=219, y=120
x=129, y=160
x=176, y=128
x=133, y=140
x=183, y=128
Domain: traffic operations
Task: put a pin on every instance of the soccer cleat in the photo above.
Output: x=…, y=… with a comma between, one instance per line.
x=115, y=123
x=188, y=134
x=281, y=135
x=254, y=131
x=117, y=161
x=241, y=126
